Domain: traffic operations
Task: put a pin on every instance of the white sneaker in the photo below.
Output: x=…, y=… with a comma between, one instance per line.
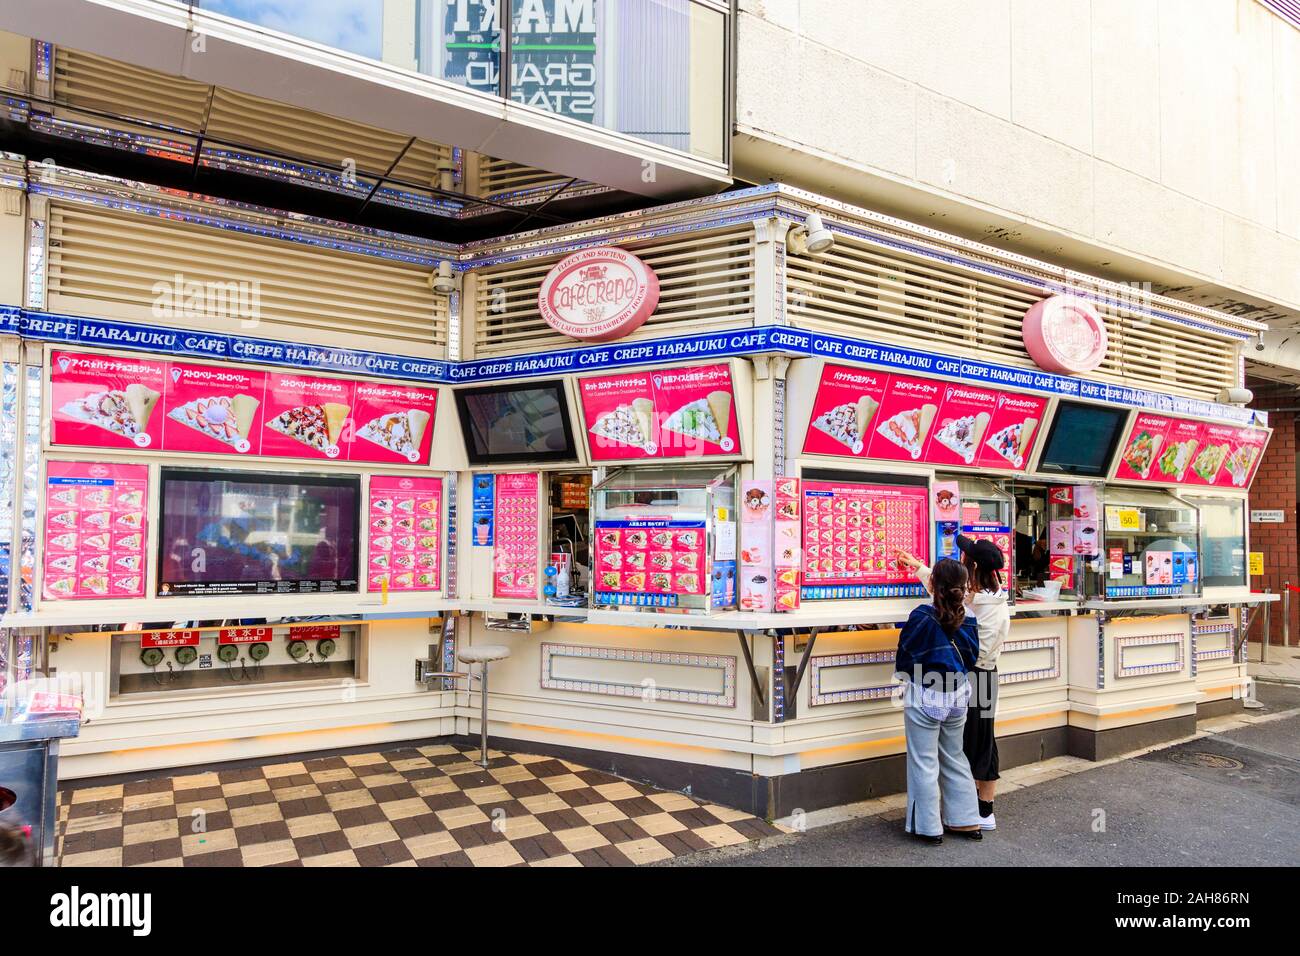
x=989, y=823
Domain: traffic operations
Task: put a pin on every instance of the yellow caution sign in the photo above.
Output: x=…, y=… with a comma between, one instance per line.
x=1256, y=563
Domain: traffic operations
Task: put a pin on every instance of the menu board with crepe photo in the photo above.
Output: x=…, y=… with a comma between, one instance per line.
x=213, y=408
x=96, y=530
x=649, y=563
x=861, y=413
x=515, y=553
x=404, y=523
x=664, y=413
x=105, y=401
x=850, y=534
x=1164, y=450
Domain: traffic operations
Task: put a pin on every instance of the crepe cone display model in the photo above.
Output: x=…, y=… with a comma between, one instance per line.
x=908, y=428
x=720, y=406
x=226, y=418
x=631, y=424
x=124, y=412
x=1013, y=442
x=316, y=426
x=848, y=423
x=962, y=435
x=697, y=420
x=400, y=432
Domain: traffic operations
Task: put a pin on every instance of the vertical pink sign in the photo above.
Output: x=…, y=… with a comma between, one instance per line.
x=96, y=530
x=516, y=547
x=106, y=401
x=404, y=519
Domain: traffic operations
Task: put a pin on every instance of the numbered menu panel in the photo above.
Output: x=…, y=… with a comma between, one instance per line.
x=850, y=534
x=667, y=413
x=110, y=402
x=95, y=530
x=649, y=562
x=405, y=537
x=515, y=550
x=860, y=413
x=1166, y=450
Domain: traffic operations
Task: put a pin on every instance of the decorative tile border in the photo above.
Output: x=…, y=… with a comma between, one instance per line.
x=1041, y=673
x=727, y=665
x=828, y=661
x=1148, y=640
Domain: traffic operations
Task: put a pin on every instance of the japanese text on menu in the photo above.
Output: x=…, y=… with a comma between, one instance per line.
x=851, y=533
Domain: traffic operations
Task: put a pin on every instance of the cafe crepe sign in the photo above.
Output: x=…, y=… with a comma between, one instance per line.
x=1064, y=334
x=597, y=295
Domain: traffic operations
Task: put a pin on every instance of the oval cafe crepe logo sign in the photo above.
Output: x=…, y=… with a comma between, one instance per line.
x=598, y=294
x=1064, y=334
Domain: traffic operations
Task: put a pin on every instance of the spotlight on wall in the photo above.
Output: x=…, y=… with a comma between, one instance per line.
x=446, y=175
x=1259, y=341
x=444, y=280
x=1235, y=396
x=812, y=237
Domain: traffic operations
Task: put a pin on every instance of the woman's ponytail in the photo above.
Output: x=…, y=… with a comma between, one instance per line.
x=948, y=581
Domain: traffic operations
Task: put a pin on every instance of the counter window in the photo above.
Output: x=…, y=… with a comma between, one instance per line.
x=240, y=532
x=987, y=514
x=1082, y=439
x=1151, y=546
x=172, y=661
x=665, y=537
x=1223, y=541
x=513, y=424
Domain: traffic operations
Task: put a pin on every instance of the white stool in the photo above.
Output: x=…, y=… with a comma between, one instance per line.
x=483, y=655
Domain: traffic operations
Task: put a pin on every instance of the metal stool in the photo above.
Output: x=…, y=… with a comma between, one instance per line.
x=483, y=655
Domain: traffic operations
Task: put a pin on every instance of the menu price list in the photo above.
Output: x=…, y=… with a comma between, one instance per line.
x=515, y=551
x=851, y=532
x=405, y=543
x=95, y=530
x=649, y=562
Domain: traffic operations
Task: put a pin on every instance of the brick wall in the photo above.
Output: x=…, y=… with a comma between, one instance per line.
x=1275, y=489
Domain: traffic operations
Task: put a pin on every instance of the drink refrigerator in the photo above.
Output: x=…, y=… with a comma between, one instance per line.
x=664, y=538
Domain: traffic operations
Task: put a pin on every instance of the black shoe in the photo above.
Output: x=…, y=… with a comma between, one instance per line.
x=968, y=834
x=927, y=838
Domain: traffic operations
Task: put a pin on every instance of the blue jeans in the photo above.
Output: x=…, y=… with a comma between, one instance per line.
x=936, y=763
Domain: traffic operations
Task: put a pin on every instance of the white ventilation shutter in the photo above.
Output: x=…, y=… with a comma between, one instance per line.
x=98, y=84
x=862, y=290
x=111, y=264
x=706, y=282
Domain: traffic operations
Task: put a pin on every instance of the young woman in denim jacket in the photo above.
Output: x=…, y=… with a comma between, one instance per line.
x=936, y=649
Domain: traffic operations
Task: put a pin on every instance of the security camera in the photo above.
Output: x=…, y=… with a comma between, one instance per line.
x=1259, y=341
x=812, y=237
x=444, y=280
x=1234, y=396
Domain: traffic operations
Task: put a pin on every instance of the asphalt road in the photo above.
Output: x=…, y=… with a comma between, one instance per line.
x=1230, y=799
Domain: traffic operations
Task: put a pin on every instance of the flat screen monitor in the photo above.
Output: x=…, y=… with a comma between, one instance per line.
x=1082, y=439
x=239, y=532
x=516, y=424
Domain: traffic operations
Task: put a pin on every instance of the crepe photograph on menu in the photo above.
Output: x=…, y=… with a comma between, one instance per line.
x=962, y=435
x=1176, y=458
x=400, y=432
x=1209, y=461
x=707, y=418
x=124, y=412
x=631, y=424
x=1141, y=452
x=908, y=429
x=1013, y=441
x=848, y=423
x=316, y=426
x=227, y=418
x=1239, y=464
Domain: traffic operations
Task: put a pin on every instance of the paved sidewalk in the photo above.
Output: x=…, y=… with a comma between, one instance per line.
x=405, y=806
x=1282, y=665
x=1229, y=795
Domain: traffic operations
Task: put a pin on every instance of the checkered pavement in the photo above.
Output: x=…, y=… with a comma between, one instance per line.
x=411, y=806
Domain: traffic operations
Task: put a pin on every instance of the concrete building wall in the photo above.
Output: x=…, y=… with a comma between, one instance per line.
x=1147, y=139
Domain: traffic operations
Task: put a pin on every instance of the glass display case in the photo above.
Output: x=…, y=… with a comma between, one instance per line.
x=665, y=538
x=1149, y=548
x=987, y=513
x=1223, y=541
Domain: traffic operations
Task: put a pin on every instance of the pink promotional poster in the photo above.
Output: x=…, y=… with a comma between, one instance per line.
x=404, y=520
x=213, y=408
x=850, y=534
x=867, y=414
x=1167, y=450
x=515, y=549
x=95, y=530
x=106, y=401
x=103, y=401
x=667, y=413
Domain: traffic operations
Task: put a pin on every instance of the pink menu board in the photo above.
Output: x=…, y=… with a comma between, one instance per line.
x=109, y=401
x=103, y=401
x=649, y=561
x=1167, y=450
x=95, y=530
x=515, y=548
x=850, y=534
x=862, y=413
x=404, y=521
x=668, y=413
